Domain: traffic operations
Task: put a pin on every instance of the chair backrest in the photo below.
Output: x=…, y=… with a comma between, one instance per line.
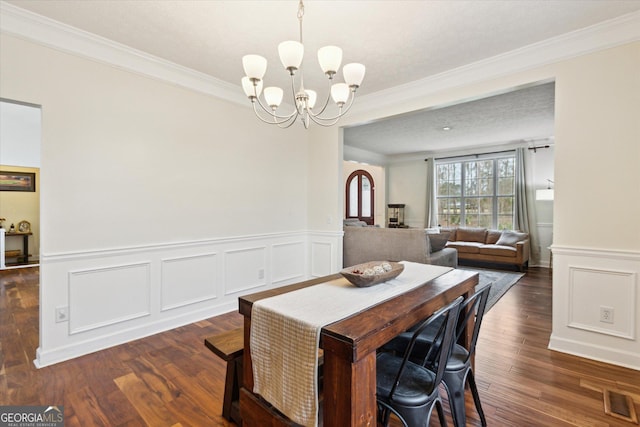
x=472, y=306
x=436, y=357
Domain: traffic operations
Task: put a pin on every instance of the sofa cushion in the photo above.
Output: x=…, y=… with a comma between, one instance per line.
x=438, y=241
x=510, y=238
x=497, y=250
x=466, y=247
x=493, y=236
x=452, y=233
x=471, y=235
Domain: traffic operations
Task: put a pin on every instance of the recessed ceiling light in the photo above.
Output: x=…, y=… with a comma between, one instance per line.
x=446, y=128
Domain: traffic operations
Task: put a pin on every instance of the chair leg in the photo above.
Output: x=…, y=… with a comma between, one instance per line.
x=454, y=382
x=441, y=417
x=476, y=397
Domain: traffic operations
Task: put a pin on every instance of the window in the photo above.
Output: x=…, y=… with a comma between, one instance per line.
x=476, y=193
x=360, y=191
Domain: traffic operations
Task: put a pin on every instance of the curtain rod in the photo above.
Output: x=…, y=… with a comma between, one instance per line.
x=538, y=147
x=473, y=155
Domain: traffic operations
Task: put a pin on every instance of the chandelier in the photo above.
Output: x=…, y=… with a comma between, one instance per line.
x=304, y=100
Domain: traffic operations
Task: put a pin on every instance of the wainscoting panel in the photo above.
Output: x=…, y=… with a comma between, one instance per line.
x=245, y=269
x=116, y=295
x=586, y=282
x=288, y=262
x=106, y=296
x=321, y=255
x=188, y=280
x=592, y=289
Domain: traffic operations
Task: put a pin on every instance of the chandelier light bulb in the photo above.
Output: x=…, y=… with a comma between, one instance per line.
x=249, y=89
x=340, y=93
x=273, y=95
x=353, y=74
x=330, y=58
x=291, y=53
x=254, y=66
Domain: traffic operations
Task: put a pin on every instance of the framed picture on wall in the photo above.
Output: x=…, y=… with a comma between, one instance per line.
x=17, y=181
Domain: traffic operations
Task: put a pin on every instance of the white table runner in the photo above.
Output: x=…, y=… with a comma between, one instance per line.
x=285, y=334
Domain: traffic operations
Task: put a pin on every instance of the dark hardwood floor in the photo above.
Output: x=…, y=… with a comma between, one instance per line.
x=171, y=379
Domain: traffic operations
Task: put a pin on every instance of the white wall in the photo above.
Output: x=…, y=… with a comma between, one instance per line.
x=160, y=205
x=19, y=135
x=407, y=183
x=542, y=170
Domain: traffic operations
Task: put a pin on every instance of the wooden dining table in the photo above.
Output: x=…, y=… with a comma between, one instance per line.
x=349, y=346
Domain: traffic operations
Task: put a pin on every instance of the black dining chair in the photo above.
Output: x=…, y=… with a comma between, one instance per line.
x=407, y=383
x=458, y=370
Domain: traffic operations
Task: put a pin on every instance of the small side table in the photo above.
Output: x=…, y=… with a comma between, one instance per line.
x=25, y=245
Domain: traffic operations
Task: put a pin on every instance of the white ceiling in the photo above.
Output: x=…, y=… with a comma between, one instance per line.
x=398, y=41
x=522, y=115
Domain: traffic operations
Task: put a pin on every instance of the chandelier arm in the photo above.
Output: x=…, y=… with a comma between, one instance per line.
x=270, y=112
x=326, y=103
x=322, y=121
x=341, y=113
x=275, y=117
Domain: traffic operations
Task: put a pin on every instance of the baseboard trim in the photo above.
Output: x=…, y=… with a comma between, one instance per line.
x=102, y=342
x=598, y=353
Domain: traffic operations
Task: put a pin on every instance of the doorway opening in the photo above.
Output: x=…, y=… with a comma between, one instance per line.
x=360, y=196
x=20, y=136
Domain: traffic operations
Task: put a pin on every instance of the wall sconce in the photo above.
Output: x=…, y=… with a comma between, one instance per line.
x=545, y=193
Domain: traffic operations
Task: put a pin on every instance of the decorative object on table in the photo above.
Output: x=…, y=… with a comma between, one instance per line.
x=17, y=181
x=12, y=229
x=303, y=99
x=24, y=226
x=395, y=212
x=372, y=273
x=1, y=221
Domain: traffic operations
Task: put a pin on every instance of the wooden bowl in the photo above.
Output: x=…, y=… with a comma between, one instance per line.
x=354, y=274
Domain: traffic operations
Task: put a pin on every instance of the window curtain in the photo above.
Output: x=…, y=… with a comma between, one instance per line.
x=431, y=217
x=525, y=214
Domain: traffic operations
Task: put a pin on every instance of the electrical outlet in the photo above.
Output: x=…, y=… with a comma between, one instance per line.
x=606, y=314
x=261, y=274
x=62, y=314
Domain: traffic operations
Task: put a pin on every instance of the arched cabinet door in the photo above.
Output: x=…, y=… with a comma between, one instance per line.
x=360, y=196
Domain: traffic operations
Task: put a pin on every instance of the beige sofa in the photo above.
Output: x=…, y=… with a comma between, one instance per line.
x=504, y=247
x=364, y=244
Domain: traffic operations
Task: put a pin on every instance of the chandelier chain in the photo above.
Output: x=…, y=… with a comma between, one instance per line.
x=300, y=16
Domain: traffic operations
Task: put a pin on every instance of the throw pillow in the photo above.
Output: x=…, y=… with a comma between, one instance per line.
x=510, y=238
x=438, y=241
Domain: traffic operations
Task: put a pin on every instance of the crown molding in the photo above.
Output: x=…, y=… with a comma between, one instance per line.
x=36, y=28
x=44, y=31
x=604, y=35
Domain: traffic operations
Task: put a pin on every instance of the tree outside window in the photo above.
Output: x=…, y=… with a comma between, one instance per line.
x=476, y=193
